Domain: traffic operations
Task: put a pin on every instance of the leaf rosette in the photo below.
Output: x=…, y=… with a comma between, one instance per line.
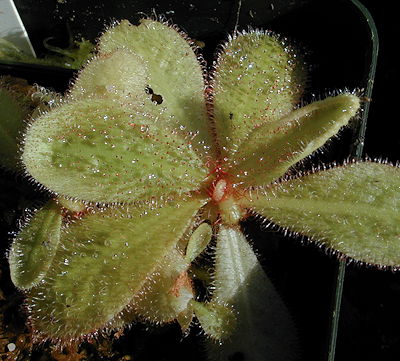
x=154, y=148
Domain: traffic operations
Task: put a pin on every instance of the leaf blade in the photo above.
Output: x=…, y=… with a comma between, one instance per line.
x=174, y=72
x=273, y=148
x=167, y=293
x=95, y=151
x=104, y=261
x=256, y=79
x=353, y=209
x=119, y=74
x=241, y=282
x=34, y=248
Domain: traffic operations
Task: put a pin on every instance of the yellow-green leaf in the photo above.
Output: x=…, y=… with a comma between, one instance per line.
x=198, y=241
x=120, y=74
x=95, y=151
x=167, y=292
x=354, y=209
x=270, y=150
x=175, y=74
x=218, y=321
x=103, y=260
x=256, y=81
x=34, y=247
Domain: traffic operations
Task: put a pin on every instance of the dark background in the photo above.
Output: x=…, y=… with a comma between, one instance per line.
x=335, y=39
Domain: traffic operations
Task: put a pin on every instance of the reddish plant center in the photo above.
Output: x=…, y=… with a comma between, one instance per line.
x=220, y=189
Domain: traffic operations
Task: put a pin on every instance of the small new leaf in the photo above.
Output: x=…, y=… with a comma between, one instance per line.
x=218, y=321
x=198, y=241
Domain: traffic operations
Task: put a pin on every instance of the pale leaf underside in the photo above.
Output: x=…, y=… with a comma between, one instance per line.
x=264, y=329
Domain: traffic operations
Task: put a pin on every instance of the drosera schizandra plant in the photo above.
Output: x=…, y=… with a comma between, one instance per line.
x=148, y=158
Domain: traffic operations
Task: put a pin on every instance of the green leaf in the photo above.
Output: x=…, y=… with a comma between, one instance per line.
x=120, y=74
x=198, y=241
x=270, y=150
x=33, y=249
x=256, y=80
x=174, y=73
x=95, y=151
x=354, y=209
x=103, y=260
x=217, y=321
x=264, y=329
x=167, y=292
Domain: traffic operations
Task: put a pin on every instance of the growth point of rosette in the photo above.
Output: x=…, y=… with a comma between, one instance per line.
x=224, y=195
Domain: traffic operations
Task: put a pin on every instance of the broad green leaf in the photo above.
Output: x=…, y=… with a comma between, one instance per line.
x=271, y=149
x=120, y=74
x=14, y=109
x=95, y=151
x=33, y=249
x=167, y=292
x=174, y=73
x=264, y=329
x=217, y=321
x=103, y=260
x=198, y=241
x=256, y=80
x=354, y=209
